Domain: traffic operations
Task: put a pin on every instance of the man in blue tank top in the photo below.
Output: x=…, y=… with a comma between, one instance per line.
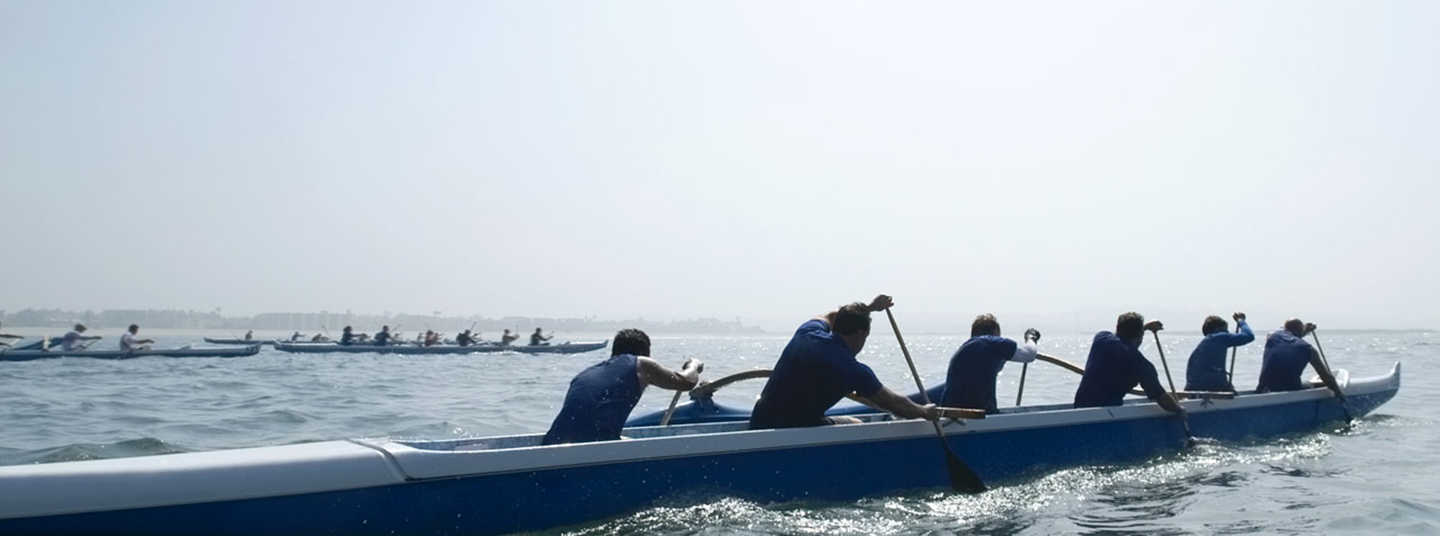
x=1206, y=369
x=1116, y=366
x=601, y=397
x=1286, y=354
x=970, y=382
x=818, y=368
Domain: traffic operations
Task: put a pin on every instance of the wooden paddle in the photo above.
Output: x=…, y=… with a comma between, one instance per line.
x=1190, y=438
x=1343, y=407
x=1233, y=349
x=1021, y=393
x=962, y=478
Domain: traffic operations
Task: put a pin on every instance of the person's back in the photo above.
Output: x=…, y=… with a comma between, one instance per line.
x=1206, y=369
x=1111, y=370
x=382, y=338
x=347, y=337
x=601, y=397
x=598, y=402
x=815, y=371
x=1286, y=357
x=970, y=381
x=463, y=339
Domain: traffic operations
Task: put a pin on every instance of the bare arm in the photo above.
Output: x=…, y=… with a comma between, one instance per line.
x=900, y=406
x=653, y=373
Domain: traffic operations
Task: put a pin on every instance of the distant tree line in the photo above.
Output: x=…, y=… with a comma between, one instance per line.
x=333, y=322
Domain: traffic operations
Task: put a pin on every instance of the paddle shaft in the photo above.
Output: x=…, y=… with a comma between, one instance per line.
x=1233, y=349
x=1161, y=348
x=1328, y=370
x=1183, y=421
x=1322, y=352
x=665, y=421
x=962, y=477
x=1021, y=393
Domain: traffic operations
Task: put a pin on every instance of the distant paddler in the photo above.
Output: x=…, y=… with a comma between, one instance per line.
x=131, y=341
x=72, y=340
x=319, y=338
x=383, y=337
x=970, y=382
x=1206, y=369
x=1116, y=365
x=347, y=336
x=601, y=397
x=538, y=339
x=1287, y=354
x=250, y=335
x=296, y=337
x=466, y=339
x=508, y=337
x=818, y=368
x=431, y=338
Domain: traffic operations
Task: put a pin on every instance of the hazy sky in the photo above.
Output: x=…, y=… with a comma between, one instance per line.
x=758, y=160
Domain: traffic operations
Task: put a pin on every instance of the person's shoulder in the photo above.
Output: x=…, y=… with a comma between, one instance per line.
x=815, y=324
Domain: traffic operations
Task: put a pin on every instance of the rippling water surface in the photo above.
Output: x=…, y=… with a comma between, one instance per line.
x=1375, y=477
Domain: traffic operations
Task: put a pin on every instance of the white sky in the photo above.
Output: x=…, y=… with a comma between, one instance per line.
x=761, y=160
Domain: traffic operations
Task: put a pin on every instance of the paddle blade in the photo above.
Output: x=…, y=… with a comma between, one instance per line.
x=962, y=478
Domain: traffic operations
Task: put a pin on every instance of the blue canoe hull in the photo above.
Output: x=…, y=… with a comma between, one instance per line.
x=498, y=494
x=30, y=355
x=314, y=348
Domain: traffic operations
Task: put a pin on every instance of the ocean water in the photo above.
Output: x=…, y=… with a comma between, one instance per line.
x=1377, y=476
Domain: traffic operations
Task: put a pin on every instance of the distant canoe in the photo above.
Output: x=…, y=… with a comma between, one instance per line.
x=30, y=355
x=407, y=349
x=246, y=342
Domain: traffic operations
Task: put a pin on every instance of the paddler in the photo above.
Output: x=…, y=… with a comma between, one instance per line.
x=818, y=368
x=508, y=337
x=601, y=397
x=970, y=382
x=1116, y=365
x=383, y=337
x=1286, y=354
x=347, y=336
x=73, y=339
x=538, y=339
x=1206, y=369
x=130, y=341
x=465, y=338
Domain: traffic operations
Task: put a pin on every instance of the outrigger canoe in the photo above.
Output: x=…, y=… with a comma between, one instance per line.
x=496, y=485
x=409, y=349
x=30, y=355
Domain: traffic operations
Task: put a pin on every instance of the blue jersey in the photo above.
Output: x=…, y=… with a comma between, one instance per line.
x=1206, y=369
x=347, y=339
x=598, y=402
x=382, y=338
x=970, y=383
x=814, y=372
x=1112, y=370
x=1286, y=357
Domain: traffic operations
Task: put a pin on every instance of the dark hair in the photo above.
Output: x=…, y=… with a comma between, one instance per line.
x=1294, y=325
x=134, y=326
x=1214, y=324
x=851, y=319
x=985, y=325
x=630, y=341
x=1130, y=325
